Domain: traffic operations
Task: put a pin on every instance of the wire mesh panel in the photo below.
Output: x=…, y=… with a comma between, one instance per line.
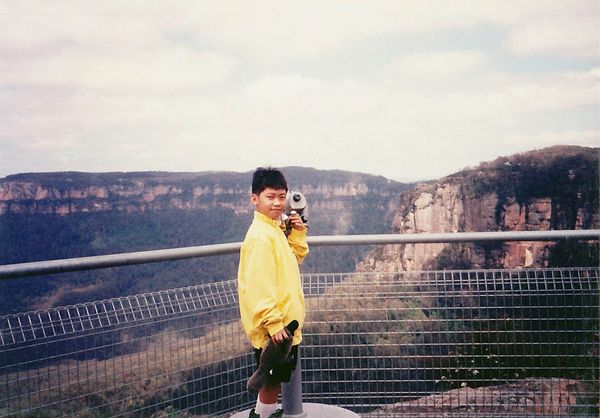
x=456, y=343
x=179, y=349
x=490, y=343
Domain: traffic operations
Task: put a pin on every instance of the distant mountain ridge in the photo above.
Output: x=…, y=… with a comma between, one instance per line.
x=61, y=215
x=72, y=192
x=72, y=214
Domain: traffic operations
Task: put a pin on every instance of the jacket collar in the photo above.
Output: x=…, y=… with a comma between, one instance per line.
x=259, y=216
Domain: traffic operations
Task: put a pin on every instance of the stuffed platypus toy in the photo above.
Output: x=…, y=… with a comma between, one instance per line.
x=272, y=356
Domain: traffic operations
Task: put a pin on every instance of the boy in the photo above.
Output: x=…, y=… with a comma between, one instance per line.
x=269, y=287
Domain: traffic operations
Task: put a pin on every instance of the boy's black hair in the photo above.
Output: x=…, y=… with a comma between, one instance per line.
x=269, y=177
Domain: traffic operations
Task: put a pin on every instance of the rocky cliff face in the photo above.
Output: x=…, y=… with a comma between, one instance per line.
x=466, y=203
x=69, y=193
x=137, y=196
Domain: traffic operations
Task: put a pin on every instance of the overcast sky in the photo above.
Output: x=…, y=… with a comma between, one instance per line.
x=405, y=89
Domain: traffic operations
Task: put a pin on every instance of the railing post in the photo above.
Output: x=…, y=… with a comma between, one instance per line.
x=291, y=394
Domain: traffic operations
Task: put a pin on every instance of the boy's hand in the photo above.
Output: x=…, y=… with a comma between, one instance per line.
x=280, y=337
x=296, y=221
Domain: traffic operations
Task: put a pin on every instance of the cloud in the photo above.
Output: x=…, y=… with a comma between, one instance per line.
x=273, y=30
x=78, y=25
x=551, y=28
x=280, y=87
x=587, y=137
x=291, y=119
x=436, y=64
x=118, y=47
x=511, y=96
x=562, y=36
x=232, y=85
x=121, y=71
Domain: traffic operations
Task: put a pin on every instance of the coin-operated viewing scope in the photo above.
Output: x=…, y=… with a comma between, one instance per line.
x=295, y=202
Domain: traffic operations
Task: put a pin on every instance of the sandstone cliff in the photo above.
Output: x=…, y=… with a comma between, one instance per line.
x=555, y=188
x=73, y=192
x=132, y=195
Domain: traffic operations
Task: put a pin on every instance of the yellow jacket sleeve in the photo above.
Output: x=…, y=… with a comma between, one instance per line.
x=298, y=244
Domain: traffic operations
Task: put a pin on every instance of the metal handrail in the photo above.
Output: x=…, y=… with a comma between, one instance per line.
x=12, y=271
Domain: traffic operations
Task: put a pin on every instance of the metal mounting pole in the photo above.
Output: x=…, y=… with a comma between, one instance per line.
x=291, y=394
x=293, y=407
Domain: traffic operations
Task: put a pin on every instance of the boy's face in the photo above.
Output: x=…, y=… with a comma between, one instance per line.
x=270, y=202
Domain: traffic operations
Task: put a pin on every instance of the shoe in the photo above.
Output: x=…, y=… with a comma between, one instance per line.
x=276, y=414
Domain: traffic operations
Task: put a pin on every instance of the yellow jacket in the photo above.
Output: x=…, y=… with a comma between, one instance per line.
x=269, y=287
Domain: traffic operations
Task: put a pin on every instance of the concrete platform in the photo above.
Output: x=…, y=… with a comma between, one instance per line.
x=312, y=410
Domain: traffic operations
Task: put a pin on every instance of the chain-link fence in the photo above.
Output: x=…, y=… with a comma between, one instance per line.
x=518, y=343
x=461, y=343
